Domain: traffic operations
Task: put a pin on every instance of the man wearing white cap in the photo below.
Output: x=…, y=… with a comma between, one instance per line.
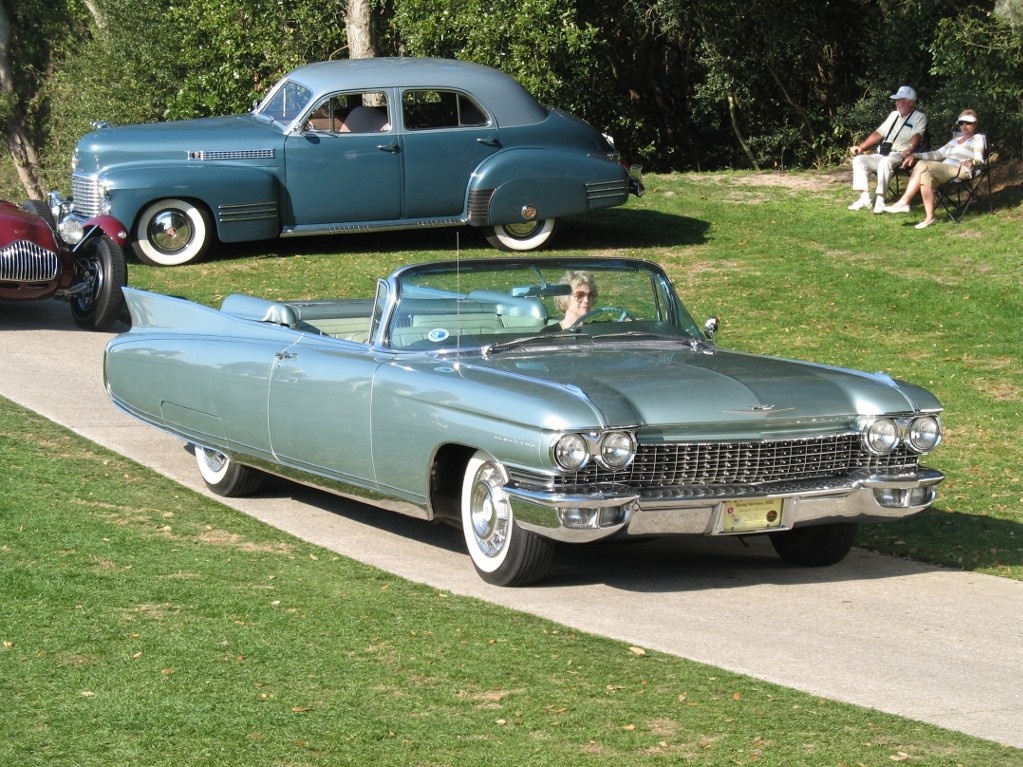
x=898, y=136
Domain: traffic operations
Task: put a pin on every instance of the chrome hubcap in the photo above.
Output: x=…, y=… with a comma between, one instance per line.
x=170, y=231
x=490, y=512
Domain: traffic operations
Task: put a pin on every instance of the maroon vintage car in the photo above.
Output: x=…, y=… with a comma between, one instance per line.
x=36, y=263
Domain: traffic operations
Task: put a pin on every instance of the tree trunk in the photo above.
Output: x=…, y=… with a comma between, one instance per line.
x=18, y=143
x=359, y=28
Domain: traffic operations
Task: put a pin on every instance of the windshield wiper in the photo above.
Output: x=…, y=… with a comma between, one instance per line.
x=504, y=346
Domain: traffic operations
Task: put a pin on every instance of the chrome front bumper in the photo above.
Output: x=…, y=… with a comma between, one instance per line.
x=584, y=517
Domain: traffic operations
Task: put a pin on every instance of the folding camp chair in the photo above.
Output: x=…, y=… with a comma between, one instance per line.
x=958, y=194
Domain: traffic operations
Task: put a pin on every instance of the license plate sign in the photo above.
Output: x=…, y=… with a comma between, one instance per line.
x=751, y=515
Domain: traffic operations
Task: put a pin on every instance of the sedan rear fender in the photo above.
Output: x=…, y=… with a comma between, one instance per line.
x=244, y=202
x=543, y=183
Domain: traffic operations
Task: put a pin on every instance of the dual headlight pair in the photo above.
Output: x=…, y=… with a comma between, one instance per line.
x=613, y=450
x=921, y=434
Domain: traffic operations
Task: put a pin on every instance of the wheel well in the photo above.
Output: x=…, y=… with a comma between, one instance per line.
x=446, y=475
x=196, y=201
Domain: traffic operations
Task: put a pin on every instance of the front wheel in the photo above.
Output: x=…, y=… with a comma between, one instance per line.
x=102, y=272
x=225, y=477
x=172, y=233
x=816, y=546
x=502, y=552
x=528, y=235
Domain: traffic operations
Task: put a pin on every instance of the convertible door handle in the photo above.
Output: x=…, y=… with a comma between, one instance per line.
x=489, y=141
x=392, y=148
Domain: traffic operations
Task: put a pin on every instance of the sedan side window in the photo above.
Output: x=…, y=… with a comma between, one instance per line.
x=431, y=109
x=351, y=113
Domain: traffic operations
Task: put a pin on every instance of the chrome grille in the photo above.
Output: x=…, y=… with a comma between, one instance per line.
x=87, y=196
x=24, y=261
x=705, y=464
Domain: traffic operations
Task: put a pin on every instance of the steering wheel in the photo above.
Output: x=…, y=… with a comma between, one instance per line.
x=621, y=315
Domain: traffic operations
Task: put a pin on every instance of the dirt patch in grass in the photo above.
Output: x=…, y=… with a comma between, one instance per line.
x=1006, y=177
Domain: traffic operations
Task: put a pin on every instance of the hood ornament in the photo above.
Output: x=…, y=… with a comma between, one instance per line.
x=761, y=409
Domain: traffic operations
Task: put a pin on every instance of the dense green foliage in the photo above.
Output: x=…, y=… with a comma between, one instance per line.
x=701, y=84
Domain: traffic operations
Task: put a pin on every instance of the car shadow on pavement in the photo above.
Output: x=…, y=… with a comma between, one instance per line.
x=44, y=314
x=689, y=563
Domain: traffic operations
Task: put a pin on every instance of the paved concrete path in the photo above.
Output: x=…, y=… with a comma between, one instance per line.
x=931, y=644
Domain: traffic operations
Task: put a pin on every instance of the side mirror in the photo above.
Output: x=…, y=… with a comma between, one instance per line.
x=710, y=327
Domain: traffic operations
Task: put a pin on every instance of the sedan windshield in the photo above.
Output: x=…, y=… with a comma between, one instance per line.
x=519, y=302
x=286, y=102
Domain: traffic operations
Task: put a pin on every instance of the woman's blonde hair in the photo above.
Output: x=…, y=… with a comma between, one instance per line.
x=576, y=278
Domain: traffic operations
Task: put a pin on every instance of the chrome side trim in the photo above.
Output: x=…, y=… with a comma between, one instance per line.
x=230, y=154
x=306, y=230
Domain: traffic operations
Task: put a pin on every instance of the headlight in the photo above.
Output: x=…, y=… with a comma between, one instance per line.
x=571, y=452
x=925, y=433
x=617, y=449
x=881, y=436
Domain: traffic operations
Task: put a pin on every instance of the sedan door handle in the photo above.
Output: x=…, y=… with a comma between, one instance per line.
x=489, y=141
x=392, y=148
x=285, y=355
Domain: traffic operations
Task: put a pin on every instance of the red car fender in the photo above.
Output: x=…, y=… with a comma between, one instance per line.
x=110, y=226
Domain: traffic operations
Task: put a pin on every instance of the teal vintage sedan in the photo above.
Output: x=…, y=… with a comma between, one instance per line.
x=530, y=401
x=350, y=146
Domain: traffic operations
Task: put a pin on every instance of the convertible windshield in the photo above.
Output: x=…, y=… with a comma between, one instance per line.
x=286, y=102
x=481, y=303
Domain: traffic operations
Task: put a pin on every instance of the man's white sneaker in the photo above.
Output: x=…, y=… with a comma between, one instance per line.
x=860, y=204
x=896, y=209
x=879, y=204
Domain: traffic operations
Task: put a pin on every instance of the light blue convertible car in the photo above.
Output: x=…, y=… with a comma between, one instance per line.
x=530, y=401
x=350, y=146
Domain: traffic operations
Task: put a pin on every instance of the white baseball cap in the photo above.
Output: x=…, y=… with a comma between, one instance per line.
x=966, y=118
x=905, y=92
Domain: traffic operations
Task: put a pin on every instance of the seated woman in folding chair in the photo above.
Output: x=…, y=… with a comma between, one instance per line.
x=956, y=159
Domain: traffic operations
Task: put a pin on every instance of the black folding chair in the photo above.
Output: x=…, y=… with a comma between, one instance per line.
x=958, y=194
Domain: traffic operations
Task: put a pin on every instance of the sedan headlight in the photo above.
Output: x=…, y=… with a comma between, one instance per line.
x=925, y=433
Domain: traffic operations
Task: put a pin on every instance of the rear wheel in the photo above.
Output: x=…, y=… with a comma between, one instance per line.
x=102, y=268
x=172, y=232
x=502, y=552
x=225, y=477
x=816, y=546
x=528, y=235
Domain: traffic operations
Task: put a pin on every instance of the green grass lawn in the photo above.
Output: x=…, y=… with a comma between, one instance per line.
x=141, y=623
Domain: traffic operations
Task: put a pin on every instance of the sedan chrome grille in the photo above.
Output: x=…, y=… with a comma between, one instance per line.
x=87, y=196
x=706, y=464
x=24, y=261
